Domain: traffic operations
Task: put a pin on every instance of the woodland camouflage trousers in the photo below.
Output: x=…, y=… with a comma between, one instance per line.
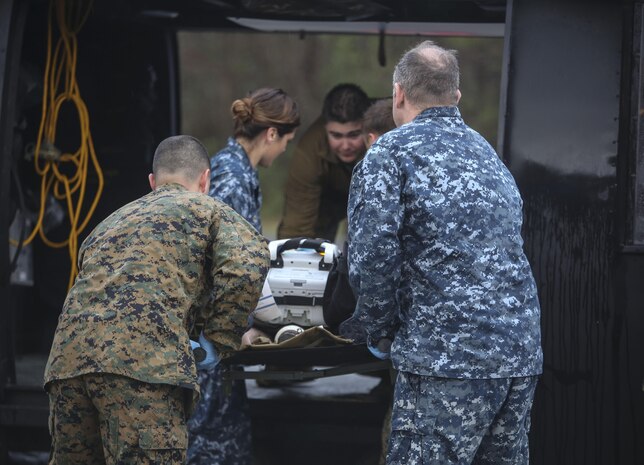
x=110, y=419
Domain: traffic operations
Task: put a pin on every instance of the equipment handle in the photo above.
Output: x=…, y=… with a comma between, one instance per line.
x=302, y=243
x=321, y=246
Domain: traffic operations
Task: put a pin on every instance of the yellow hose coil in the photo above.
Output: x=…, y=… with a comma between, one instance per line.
x=67, y=174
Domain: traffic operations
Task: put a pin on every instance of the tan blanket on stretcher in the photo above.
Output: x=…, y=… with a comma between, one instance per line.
x=318, y=336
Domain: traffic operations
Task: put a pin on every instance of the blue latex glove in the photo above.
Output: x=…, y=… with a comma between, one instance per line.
x=206, y=356
x=381, y=350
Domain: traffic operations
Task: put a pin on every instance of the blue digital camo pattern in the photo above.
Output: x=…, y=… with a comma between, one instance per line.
x=235, y=182
x=436, y=254
x=220, y=429
x=440, y=421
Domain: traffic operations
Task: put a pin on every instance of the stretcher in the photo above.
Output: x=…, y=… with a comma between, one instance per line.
x=316, y=353
x=293, y=294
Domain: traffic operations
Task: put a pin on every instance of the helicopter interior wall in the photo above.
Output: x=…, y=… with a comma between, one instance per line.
x=128, y=81
x=9, y=47
x=561, y=141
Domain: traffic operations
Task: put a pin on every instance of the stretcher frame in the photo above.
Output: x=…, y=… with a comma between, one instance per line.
x=306, y=363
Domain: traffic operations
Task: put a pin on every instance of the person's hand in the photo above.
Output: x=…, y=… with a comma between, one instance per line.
x=251, y=336
x=381, y=350
x=198, y=352
x=205, y=354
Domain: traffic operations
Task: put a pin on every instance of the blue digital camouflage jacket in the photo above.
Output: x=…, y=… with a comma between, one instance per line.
x=436, y=254
x=235, y=182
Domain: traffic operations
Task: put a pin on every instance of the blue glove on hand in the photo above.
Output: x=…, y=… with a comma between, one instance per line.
x=206, y=356
x=381, y=350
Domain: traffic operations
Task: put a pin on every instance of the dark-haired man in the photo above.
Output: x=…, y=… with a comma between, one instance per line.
x=121, y=375
x=443, y=285
x=317, y=188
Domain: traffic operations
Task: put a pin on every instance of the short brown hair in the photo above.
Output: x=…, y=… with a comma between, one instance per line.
x=378, y=118
x=180, y=155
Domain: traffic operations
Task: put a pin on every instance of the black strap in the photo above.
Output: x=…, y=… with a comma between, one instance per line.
x=298, y=300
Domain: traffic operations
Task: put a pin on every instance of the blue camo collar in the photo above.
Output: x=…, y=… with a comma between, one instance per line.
x=439, y=112
x=236, y=148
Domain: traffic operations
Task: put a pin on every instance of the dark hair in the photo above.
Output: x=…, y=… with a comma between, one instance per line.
x=378, y=117
x=345, y=103
x=262, y=109
x=429, y=75
x=182, y=155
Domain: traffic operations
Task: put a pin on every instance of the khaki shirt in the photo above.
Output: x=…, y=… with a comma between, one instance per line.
x=317, y=188
x=146, y=274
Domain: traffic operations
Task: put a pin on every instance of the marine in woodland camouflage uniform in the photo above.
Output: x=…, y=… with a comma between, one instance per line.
x=121, y=375
x=436, y=258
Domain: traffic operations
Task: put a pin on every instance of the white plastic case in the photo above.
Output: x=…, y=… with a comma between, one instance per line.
x=297, y=279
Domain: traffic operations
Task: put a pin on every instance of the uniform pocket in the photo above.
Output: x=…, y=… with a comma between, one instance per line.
x=415, y=418
x=406, y=440
x=164, y=444
x=408, y=424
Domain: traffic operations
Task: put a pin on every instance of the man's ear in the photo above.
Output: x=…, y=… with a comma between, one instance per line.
x=153, y=182
x=204, y=182
x=399, y=96
x=458, y=96
x=371, y=138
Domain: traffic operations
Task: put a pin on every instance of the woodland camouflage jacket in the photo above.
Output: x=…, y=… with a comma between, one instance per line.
x=146, y=274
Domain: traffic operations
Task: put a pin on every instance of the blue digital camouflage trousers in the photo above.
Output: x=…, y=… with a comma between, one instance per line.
x=110, y=419
x=439, y=421
x=220, y=428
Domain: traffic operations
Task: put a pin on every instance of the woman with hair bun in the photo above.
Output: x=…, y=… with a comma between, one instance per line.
x=264, y=123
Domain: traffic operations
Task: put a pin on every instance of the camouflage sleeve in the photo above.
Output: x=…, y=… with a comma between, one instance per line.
x=240, y=261
x=81, y=255
x=375, y=218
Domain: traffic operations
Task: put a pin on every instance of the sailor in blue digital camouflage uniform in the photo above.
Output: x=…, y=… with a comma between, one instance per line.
x=264, y=123
x=444, y=288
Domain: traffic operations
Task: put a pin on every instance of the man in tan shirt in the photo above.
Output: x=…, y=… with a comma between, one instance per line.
x=317, y=187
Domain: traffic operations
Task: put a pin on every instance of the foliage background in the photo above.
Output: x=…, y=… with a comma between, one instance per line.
x=219, y=67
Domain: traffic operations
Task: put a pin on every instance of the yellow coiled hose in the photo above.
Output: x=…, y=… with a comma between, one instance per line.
x=65, y=174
